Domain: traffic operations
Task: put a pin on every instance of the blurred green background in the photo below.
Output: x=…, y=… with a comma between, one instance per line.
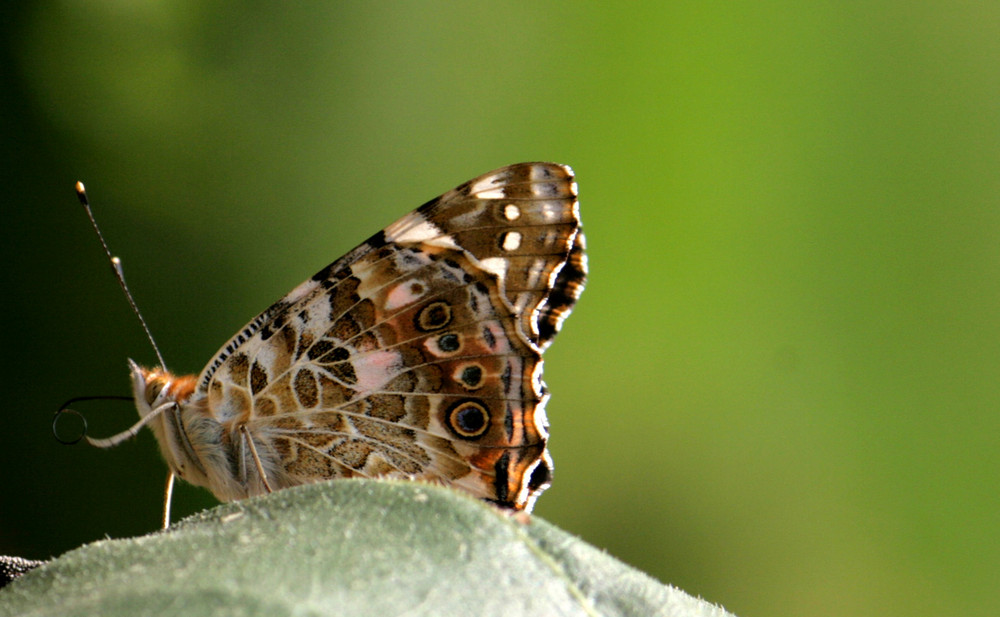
x=780, y=389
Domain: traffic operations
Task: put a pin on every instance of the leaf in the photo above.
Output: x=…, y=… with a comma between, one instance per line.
x=347, y=548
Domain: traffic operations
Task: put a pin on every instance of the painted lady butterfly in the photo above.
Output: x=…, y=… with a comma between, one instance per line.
x=416, y=355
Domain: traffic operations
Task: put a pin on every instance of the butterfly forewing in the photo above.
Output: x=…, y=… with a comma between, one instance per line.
x=418, y=354
x=521, y=223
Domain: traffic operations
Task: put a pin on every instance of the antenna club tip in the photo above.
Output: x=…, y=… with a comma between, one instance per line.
x=81, y=192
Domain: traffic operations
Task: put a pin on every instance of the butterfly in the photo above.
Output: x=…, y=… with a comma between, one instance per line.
x=416, y=355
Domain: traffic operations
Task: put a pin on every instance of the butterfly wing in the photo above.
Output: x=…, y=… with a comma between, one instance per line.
x=522, y=223
x=418, y=354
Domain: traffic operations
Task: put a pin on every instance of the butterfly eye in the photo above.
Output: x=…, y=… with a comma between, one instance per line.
x=469, y=419
x=153, y=390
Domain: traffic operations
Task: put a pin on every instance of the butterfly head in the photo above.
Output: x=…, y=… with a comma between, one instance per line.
x=166, y=397
x=155, y=387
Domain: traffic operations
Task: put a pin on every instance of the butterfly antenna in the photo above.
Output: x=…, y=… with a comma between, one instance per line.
x=116, y=266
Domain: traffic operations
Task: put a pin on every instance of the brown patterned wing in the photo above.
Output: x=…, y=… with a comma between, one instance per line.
x=522, y=223
x=411, y=356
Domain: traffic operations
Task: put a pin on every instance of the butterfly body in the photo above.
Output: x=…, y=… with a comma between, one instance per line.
x=416, y=355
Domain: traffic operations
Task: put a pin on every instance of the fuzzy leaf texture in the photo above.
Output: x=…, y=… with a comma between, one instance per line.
x=347, y=548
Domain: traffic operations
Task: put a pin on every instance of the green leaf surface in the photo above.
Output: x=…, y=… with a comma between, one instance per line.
x=347, y=548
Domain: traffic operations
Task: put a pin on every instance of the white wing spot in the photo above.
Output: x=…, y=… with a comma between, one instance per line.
x=511, y=241
x=511, y=212
x=550, y=212
x=402, y=295
x=376, y=368
x=496, y=265
x=485, y=185
x=414, y=229
x=418, y=232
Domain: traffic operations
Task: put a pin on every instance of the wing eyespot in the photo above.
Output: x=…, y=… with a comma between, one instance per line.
x=468, y=419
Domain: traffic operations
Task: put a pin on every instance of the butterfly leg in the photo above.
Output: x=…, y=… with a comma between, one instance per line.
x=168, y=498
x=248, y=440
